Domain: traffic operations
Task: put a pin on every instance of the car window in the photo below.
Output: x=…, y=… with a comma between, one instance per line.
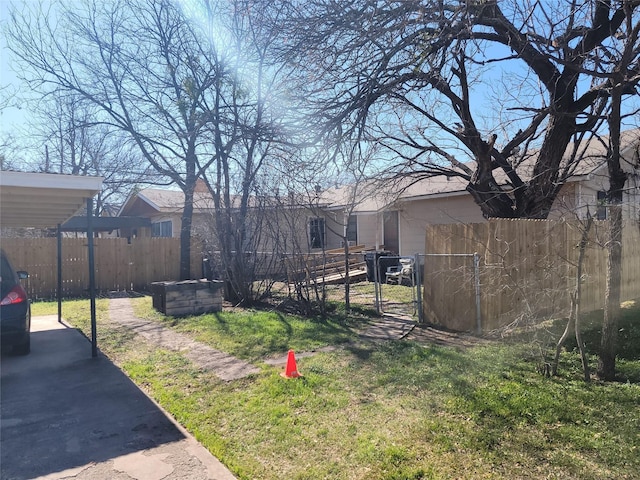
x=7, y=277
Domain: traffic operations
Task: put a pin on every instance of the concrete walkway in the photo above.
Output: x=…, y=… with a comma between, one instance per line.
x=386, y=328
x=223, y=365
x=66, y=415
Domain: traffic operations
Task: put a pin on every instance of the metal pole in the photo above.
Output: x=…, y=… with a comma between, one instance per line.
x=476, y=267
x=92, y=278
x=376, y=280
x=59, y=293
x=448, y=254
x=418, y=283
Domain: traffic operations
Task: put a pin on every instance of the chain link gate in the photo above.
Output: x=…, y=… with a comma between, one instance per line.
x=401, y=271
x=448, y=276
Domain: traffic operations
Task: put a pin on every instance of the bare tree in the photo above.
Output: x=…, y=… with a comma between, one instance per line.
x=248, y=134
x=574, y=315
x=623, y=67
x=10, y=154
x=74, y=143
x=139, y=65
x=503, y=83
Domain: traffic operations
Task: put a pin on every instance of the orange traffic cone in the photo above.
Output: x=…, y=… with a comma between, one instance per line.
x=291, y=371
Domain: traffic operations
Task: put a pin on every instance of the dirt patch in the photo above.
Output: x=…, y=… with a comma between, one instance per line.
x=426, y=334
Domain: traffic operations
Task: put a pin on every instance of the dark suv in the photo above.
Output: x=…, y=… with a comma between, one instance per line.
x=15, y=309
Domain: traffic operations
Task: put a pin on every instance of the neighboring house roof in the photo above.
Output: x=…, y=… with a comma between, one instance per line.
x=591, y=155
x=155, y=200
x=141, y=202
x=375, y=195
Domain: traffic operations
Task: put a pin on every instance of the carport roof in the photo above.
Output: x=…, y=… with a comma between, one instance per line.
x=43, y=199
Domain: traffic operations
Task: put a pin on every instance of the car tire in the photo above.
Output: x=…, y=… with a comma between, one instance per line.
x=23, y=348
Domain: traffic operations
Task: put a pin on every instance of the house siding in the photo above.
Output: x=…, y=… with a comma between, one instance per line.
x=566, y=202
x=416, y=215
x=333, y=230
x=585, y=198
x=369, y=229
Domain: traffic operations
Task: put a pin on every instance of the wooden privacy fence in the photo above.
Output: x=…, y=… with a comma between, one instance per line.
x=527, y=271
x=119, y=264
x=134, y=265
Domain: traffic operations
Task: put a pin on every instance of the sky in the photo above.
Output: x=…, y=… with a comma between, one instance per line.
x=10, y=117
x=15, y=120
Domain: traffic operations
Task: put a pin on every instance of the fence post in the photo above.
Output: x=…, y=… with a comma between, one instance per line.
x=476, y=268
x=418, y=283
x=376, y=282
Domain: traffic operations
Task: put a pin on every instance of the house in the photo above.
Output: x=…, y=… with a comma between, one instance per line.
x=163, y=207
x=392, y=215
x=280, y=222
x=396, y=221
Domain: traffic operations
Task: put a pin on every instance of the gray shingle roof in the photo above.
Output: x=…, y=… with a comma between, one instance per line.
x=373, y=196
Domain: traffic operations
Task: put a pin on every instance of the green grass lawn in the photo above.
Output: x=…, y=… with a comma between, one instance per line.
x=394, y=411
x=254, y=334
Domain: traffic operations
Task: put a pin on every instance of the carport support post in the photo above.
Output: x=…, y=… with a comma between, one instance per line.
x=59, y=238
x=92, y=278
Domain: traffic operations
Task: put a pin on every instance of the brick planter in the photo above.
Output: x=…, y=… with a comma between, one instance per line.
x=187, y=297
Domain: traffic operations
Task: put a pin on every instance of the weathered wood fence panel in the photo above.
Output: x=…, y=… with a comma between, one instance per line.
x=630, y=261
x=119, y=264
x=527, y=270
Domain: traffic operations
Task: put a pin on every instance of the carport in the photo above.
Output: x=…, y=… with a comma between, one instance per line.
x=64, y=414
x=46, y=200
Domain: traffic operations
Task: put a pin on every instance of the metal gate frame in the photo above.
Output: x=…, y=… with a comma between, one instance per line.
x=416, y=285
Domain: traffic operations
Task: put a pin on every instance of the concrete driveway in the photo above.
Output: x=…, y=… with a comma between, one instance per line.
x=65, y=415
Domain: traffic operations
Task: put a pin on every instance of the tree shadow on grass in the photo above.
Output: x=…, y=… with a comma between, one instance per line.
x=409, y=365
x=221, y=320
x=628, y=352
x=548, y=333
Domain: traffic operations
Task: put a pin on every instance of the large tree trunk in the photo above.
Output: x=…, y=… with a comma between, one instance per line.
x=617, y=180
x=535, y=198
x=609, y=339
x=544, y=185
x=185, y=231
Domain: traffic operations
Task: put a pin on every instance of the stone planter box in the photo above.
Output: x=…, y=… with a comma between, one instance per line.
x=187, y=297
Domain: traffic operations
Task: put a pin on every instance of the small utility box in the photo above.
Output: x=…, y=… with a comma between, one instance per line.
x=187, y=297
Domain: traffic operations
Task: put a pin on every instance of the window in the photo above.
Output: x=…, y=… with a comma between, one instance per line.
x=601, y=212
x=316, y=232
x=352, y=229
x=161, y=229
